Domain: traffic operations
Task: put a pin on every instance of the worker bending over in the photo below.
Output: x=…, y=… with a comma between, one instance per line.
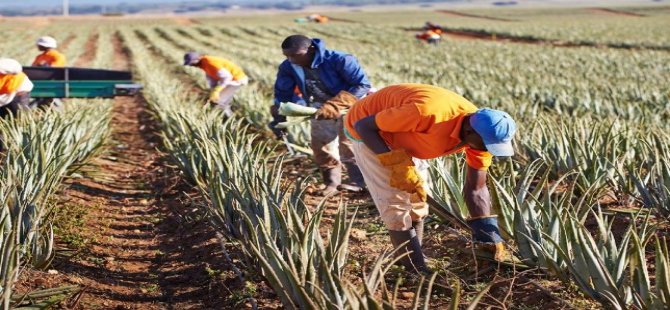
x=398, y=128
x=224, y=77
x=429, y=36
x=15, y=87
x=330, y=81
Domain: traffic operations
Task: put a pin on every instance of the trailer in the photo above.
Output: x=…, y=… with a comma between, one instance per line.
x=56, y=83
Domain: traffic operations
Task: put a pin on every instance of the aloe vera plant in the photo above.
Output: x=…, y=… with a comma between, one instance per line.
x=42, y=148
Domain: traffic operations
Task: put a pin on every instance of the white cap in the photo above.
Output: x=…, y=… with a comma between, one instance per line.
x=47, y=41
x=10, y=66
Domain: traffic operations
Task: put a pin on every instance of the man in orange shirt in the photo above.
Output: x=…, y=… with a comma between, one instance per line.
x=15, y=87
x=224, y=78
x=50, y=57
x=430, y=36
x=396, y=129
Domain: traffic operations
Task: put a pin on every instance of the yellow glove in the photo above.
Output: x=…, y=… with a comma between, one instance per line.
x=498, y=250
x=215, y=93
x=403, y=172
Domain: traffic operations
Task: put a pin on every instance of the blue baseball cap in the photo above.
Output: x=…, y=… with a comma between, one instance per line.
x=496, y=129
x=191, y=58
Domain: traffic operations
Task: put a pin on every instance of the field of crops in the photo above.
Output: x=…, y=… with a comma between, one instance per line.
x=157, y=201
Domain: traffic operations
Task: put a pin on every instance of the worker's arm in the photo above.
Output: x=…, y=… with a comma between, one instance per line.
x=351, y=71
x=225, y=77
x=476, y=193
x=285, y=85
x=5, y=99
x=368, y=130
x=211, y=82
x=26, y=86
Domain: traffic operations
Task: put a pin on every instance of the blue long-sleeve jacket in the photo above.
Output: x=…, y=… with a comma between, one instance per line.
x=338, y=71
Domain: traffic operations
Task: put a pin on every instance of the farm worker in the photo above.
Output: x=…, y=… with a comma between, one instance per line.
x=224, y=78
x=395, y=130
x=15, y=87
x=317, y=18
x=50, y=57
x=330, y=81
x=434, y=27
x=429, y=36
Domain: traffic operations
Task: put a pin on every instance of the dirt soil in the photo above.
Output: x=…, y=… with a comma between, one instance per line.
x=65, y=43
x=461, y=14
x=90, y=49
x=131, y=235
x=472, y=34
x=615, y=12
x=450, y=253
x=136, y=240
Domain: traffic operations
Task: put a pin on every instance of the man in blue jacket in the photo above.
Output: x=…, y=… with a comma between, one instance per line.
x=331, y=81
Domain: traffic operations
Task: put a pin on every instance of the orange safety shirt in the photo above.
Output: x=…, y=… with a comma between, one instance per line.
x=50, y=58
x=212, y=65
x=424, y=120
x=10, y=83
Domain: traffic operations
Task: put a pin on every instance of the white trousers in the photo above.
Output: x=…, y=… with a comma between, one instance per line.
x=394, y=205
x=227, y=94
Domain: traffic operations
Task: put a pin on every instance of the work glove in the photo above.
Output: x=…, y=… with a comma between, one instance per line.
x=404, y=175
x=215, y=93
x=333, y=108
x=486, y=236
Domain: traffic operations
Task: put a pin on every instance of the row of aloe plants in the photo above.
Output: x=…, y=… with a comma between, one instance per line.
x=588, y=160
x=250, y=203
x=41, y=148
x=550, y=203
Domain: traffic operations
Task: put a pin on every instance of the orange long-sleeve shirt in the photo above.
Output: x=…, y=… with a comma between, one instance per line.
x=10, y=83
x=50, y=58
x=211, y=65
x=424, y=120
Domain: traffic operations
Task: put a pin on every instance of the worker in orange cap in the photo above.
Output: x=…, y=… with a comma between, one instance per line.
x=15, y=87
x=225, y=78
x=50, y=57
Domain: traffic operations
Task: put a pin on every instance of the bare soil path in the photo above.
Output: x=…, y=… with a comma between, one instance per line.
x=461, y=14
x=130, y=233
x=90, y=49
x=149, y=248
x=616, y=12
x=486, y=35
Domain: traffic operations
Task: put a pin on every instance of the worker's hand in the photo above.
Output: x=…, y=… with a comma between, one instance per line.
x=486, y=235
x=274, y=111
x=333, y=108
x=276, y=119
x=215, y=94
x=404, y=175
x=327, y=111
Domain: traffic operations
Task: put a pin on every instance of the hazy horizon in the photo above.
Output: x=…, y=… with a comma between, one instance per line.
x=9, y=4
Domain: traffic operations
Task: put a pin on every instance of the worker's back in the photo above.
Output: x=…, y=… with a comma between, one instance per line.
x=9, y=83
x=212, y=65
x=50, y=58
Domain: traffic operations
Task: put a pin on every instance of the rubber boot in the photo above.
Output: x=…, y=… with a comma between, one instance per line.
x=418, y=227
x=414, y=262
x=332, y=177
x=356, y=183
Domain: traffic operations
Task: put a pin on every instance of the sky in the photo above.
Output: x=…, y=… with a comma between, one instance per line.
x=50, y=3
